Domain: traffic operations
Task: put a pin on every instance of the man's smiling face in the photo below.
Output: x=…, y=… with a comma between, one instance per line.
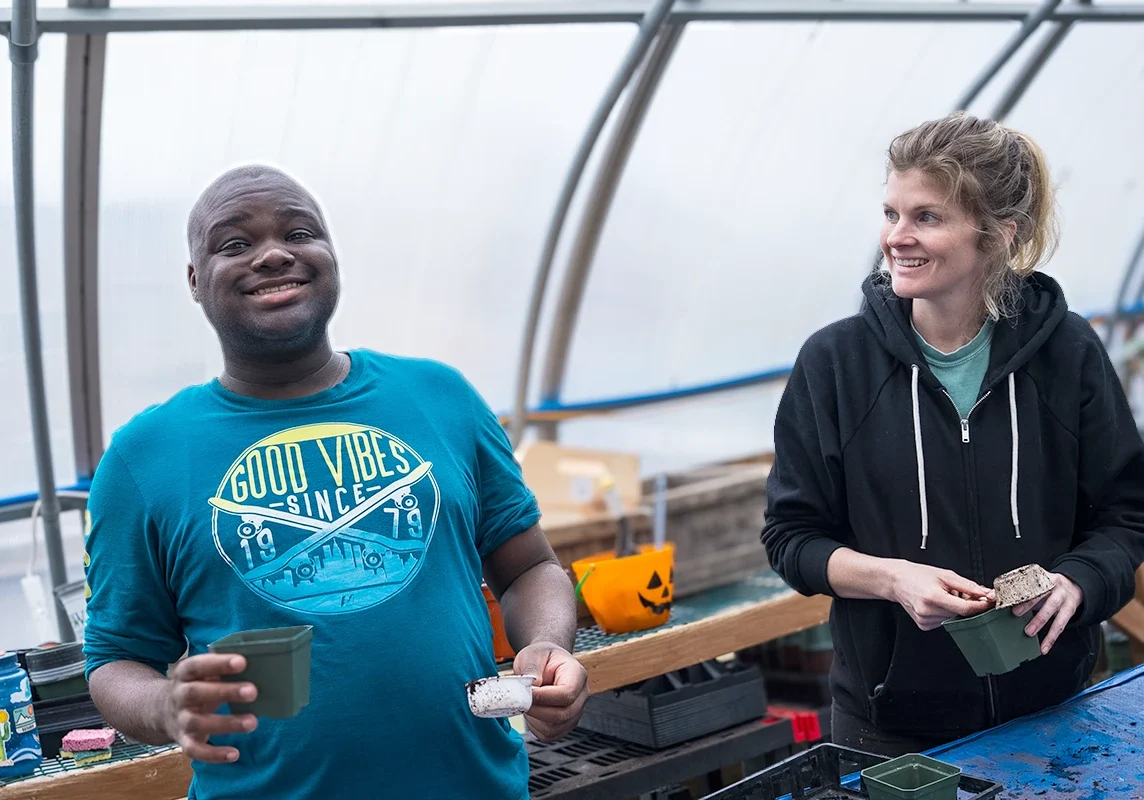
x=263, y=267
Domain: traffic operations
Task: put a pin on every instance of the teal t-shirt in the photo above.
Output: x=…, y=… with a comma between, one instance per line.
x=962, y=371
x=364, y=511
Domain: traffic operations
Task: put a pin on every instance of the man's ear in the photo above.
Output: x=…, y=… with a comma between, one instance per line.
x=192, y=281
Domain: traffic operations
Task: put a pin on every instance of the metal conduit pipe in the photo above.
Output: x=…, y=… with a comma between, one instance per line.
x=22, y=52
x=341, y=16
x=651, y=24
x=599, y=203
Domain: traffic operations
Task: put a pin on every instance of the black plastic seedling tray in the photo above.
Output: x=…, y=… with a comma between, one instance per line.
x=55, y=718
x=817, y=774
x=679, y=706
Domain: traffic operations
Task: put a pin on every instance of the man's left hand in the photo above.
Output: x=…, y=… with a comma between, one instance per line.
x=559, y=692
x=1058, y=605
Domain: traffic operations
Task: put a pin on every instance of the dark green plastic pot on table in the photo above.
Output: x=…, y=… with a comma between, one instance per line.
x=911, y=777
x=277, y=663
x=994, y=642
x=55, y=690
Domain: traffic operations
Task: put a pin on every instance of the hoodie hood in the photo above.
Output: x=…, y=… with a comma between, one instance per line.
x=1015, y=340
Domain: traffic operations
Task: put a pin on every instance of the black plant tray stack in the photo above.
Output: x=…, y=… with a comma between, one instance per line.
x=679, y=706
x=55, y=718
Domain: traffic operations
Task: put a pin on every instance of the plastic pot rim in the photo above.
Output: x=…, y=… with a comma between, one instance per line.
x=982, y=619
x=879, y=773
x=264, y=641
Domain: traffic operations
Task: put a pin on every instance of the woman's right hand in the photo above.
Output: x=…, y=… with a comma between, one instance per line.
x=931, y=595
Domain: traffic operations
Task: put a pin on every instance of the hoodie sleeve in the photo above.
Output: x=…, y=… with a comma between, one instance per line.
x=1110, y=548
x=806, y=501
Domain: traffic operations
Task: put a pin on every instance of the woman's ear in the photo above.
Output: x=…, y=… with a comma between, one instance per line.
x=1010, y=234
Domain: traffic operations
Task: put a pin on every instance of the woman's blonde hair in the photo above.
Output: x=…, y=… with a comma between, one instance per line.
x=1001, y=179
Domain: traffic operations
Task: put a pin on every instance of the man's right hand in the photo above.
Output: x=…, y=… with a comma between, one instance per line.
x=193, y=695
x=931, y=595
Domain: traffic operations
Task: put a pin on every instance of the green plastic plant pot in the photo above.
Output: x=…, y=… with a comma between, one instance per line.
x=994, y=642
x=277, y=663
x=911, y=777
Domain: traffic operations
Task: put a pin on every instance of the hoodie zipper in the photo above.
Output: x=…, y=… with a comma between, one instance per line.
x=990, y=689
x=965, y=419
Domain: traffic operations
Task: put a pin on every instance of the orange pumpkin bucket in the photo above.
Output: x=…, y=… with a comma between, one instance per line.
x=502, y=650
x=628, y=594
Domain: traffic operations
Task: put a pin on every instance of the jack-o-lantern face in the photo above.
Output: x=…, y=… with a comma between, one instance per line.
x=660, y=592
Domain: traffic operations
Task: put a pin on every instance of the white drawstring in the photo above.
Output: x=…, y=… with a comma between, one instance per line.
x=1013, y=480
x=921, y=457
x=922, y=462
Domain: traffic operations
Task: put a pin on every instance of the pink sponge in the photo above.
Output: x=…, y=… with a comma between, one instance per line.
x=85, y=739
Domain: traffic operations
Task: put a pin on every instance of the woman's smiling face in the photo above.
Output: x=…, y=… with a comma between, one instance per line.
x=929, y=241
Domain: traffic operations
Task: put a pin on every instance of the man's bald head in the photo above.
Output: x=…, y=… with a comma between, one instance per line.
x=263, y=267
x=229, y=187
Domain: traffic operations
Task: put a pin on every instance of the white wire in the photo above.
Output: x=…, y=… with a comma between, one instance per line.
x=36, y=511
x=35, y=526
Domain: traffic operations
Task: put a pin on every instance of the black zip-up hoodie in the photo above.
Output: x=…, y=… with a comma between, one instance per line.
x=872, y=454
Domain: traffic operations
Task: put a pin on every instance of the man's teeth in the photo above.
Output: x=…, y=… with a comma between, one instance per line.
x=275, y=289
x=910, y=262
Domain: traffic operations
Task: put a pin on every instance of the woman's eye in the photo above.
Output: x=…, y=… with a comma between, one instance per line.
x=890, y=215
x=928, y=217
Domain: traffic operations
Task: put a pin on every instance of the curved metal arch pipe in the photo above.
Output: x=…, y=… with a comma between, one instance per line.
x=1135, y=265
x=1007, y=51
x=83, y=114
x=598, y=205
x=652, y=22
x=1017, y=88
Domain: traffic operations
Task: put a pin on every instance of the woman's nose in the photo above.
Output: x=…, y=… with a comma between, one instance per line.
x=900, y=235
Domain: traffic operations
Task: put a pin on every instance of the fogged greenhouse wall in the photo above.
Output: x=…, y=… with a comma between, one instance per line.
x=746, y=217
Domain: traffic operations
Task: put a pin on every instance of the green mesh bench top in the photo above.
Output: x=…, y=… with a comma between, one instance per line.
x=755, y=610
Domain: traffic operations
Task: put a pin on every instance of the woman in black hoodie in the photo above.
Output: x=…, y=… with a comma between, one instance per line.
x=964, y=424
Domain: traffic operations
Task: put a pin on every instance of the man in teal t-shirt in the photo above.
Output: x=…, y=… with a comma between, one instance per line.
x=359, y=493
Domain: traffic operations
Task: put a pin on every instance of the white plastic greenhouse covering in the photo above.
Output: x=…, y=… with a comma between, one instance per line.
x=746, y=216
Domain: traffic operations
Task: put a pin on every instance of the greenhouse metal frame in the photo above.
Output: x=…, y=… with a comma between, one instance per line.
x=660, y=24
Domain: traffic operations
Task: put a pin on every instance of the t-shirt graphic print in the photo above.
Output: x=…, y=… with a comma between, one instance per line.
x=327, y=518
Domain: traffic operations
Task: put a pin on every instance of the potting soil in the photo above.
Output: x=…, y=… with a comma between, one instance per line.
x=1022, y=584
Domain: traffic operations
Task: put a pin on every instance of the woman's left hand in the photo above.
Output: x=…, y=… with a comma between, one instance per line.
x=1058, y=605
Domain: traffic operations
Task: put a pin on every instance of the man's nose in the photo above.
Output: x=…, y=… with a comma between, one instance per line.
x=273, y=257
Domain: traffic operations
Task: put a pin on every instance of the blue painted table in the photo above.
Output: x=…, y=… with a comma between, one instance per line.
x=1091, y=747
